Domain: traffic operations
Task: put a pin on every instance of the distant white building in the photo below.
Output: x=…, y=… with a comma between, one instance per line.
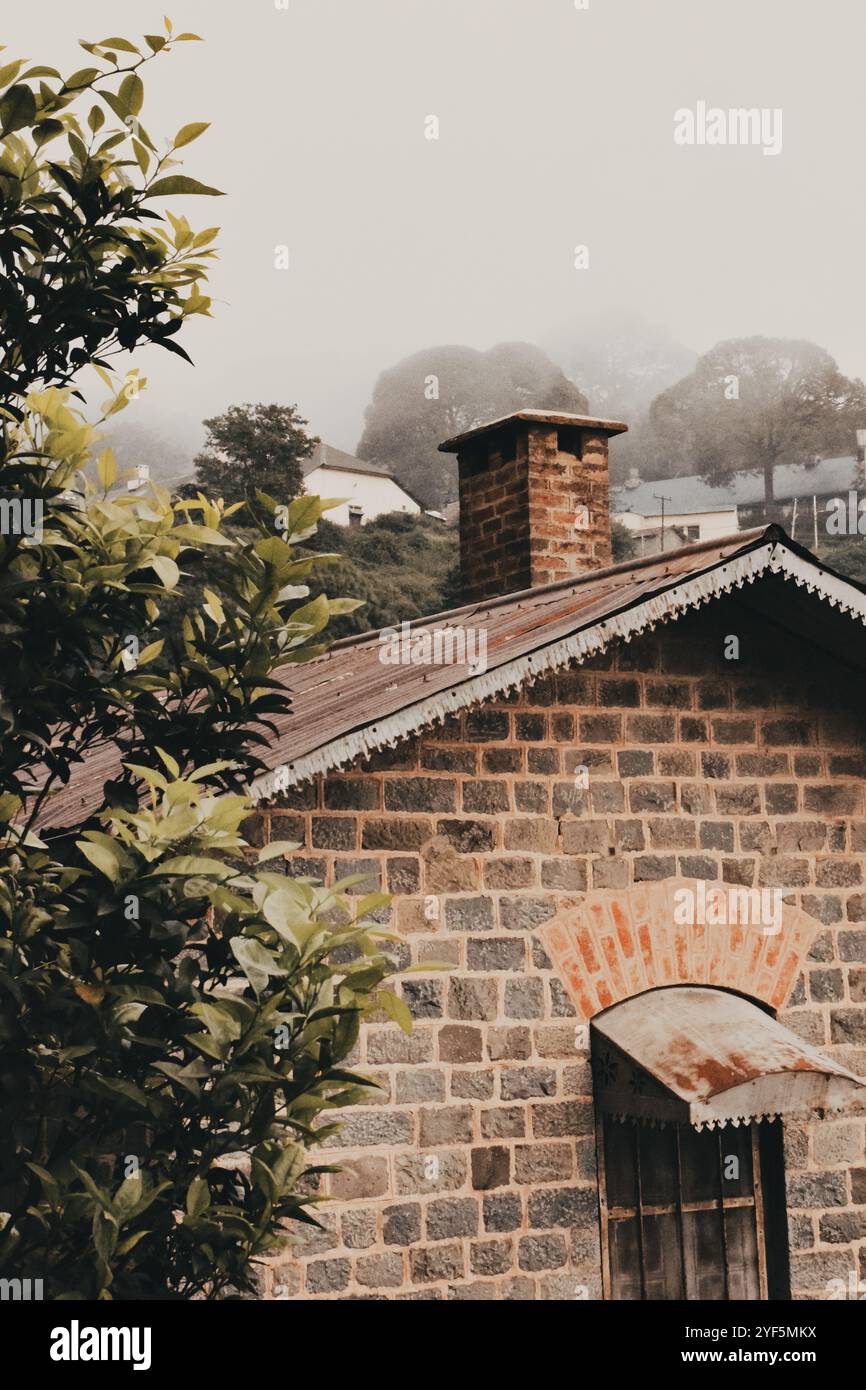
x=697, y=511
x=369, y=489
x=692, y=512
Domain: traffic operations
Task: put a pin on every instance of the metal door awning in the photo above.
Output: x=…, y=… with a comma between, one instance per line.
x=688, y=1055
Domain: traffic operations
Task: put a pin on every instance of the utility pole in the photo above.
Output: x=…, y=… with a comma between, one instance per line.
x=656, y=498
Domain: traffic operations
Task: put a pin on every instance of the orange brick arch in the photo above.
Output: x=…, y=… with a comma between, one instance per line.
x=620, y=942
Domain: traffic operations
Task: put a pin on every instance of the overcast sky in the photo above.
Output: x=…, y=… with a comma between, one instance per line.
x=555, y=129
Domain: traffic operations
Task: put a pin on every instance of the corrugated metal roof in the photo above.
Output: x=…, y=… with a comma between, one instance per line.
x=692, y=494
x=351, y=701
x=717, y=1059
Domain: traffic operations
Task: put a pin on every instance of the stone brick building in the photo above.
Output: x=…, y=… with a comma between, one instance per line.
x=614, y=1091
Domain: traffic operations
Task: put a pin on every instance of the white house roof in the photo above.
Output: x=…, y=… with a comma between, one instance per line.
x=326, y=456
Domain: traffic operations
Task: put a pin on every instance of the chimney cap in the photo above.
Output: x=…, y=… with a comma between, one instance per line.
x=539, y=417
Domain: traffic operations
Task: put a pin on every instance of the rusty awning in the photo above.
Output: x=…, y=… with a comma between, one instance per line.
x=705, y=1057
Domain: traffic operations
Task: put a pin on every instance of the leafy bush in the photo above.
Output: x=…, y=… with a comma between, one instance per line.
x=173, y=1019
x=401, y=567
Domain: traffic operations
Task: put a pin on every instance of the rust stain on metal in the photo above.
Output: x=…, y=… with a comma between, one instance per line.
x=704, y=1044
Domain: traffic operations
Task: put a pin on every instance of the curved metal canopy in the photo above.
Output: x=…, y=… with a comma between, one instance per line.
x=699, y=1056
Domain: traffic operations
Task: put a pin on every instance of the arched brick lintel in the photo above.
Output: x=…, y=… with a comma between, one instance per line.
x=620, y=942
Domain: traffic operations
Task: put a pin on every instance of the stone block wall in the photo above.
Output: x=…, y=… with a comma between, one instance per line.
x=471, y=1174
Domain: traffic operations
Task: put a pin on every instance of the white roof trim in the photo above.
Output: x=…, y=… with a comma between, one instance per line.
x=698, y=589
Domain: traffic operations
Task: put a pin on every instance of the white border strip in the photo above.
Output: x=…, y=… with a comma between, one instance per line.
x=661, y=608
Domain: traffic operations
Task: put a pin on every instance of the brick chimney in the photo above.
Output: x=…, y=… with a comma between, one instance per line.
x=534, y=503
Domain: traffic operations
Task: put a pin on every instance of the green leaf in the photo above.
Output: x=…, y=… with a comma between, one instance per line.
x=255, y=961
x=275, y=848
x=149, y=652
x=314, y=614
x=168, y=762
x=117, y=1087
x=179, y=183
x=101, y=858
x=338, y=606
x=128, y=1196
x=49, y=1183
x=167, y=570
x=220, y=1023
x=123, y=45
x=106, y=468
x=304, y=513
x=395, y=1008
x=83, y=78
x=141, y=155
x=131, y=1241
x=45, y=131
x=10, y=805
x=131, y=93
x=214, y=608
x=371, y=902
x=10, y=71
x=188, y=133
x=189, y=865
x=197, y=1197
x=99, y=1194
x=188, y=1077
x=17, y=109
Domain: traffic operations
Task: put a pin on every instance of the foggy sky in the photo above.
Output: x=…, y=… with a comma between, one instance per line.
x=556, y=129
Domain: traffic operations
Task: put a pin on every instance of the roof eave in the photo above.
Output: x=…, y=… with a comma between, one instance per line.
x=665, y=605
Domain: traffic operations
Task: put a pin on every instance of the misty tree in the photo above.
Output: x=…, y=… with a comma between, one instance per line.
x=154, y=448
x=252, y=447
x=442, y=391
x=622, y=362
x=755, y=403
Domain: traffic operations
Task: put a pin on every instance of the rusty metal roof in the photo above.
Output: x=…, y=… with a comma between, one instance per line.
x=715, y=1059
x=351, y=701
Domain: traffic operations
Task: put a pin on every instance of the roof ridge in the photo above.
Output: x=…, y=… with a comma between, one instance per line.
x=748, y=538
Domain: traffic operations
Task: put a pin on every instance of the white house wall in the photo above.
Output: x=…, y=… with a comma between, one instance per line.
x=712, y=524
x=375, y=495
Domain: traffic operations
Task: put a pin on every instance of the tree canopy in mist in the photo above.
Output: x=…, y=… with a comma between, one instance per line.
x=754, y=403
x=622, y=361
x=442, y=391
